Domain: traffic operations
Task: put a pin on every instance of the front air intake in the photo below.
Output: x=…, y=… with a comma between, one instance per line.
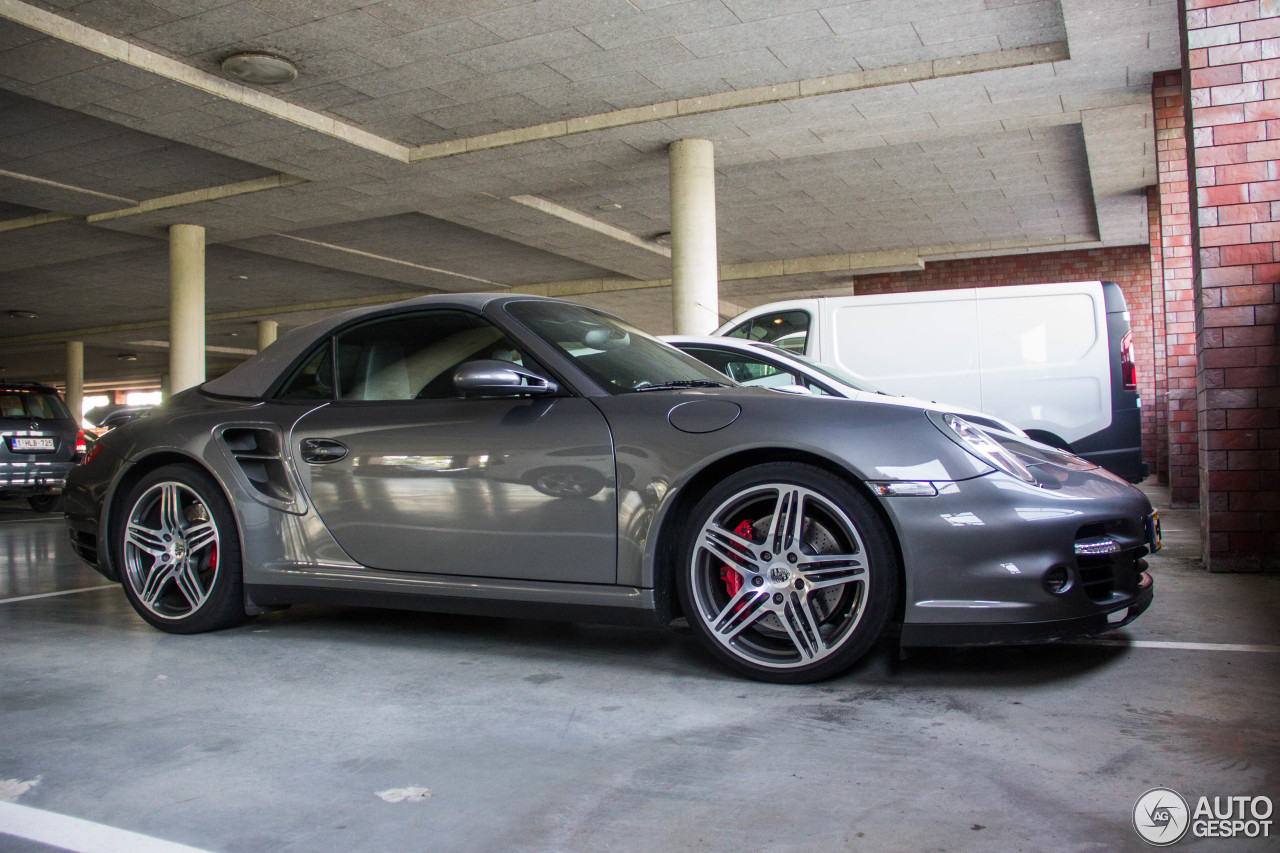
x=1103, y=564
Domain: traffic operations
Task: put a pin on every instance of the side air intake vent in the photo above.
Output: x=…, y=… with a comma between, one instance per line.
x=258, y=453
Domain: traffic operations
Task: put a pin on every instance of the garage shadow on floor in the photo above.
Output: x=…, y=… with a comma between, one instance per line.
x=672, y=650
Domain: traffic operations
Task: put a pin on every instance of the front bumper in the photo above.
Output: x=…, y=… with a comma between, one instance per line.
x=1002, y=633
x=996, y=560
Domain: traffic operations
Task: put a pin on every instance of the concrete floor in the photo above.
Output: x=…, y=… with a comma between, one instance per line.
x=282, y=734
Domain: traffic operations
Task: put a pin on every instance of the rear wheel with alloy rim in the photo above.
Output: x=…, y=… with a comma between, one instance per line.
x=787, y=573
x=178, y=553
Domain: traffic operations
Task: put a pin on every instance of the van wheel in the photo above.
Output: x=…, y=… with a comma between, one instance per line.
x=786, y=573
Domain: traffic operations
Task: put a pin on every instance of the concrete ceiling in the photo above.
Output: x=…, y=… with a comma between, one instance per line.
x=495, y=144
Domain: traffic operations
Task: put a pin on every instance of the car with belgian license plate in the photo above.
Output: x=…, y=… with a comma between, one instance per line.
x=39, y=443
x=522, y=456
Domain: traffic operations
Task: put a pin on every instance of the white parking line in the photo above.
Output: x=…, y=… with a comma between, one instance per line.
x=63, y=592
x=79, y=836
x=1170, y=644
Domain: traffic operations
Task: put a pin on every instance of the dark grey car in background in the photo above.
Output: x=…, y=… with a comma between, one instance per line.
x=39, y=443
x=525, y=456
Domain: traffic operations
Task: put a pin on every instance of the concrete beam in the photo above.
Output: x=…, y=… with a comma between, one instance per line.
x=591, y=224
x=852, y=264
x=139, y=57
x=431, y=279
x=1120, y=144
x=257, y=185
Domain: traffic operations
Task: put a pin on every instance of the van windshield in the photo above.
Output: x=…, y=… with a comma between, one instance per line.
x=786, y=329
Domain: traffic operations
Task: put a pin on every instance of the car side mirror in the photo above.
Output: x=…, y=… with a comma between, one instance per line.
x=489, y=377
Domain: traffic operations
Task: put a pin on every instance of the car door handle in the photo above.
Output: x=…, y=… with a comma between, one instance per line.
x=322, y=450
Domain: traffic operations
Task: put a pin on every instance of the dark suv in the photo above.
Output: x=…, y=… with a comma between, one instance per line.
x=39, y=443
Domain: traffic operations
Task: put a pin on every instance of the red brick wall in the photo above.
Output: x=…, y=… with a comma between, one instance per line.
x=1234, y=62
x=1128, y=266
x=1176, y=267
x=1155, y=427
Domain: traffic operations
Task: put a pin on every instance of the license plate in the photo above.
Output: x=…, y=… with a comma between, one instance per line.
x=1153, y=531
x=30, y=444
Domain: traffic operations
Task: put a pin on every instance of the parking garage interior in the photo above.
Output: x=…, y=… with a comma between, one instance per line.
x=183, y=181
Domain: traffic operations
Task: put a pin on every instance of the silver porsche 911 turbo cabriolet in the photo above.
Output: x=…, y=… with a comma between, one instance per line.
x=515, y=455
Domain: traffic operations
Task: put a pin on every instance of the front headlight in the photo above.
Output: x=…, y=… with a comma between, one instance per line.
x=986, y=448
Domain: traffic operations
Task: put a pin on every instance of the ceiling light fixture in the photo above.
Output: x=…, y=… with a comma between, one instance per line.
x=127, y=356
x=662, y=239
x=265, y=69
x=23, y=315
x=613, y=205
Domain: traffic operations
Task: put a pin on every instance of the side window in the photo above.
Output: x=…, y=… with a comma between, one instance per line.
x=313, y=380
x=747, y=370
x=750, y=371
x=786, y=329
x=414, y=357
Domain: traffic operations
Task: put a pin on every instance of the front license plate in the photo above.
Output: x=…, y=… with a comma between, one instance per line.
x=30, y=444
x=1153, y=531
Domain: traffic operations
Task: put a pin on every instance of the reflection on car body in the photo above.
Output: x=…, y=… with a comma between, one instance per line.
x=519, y=455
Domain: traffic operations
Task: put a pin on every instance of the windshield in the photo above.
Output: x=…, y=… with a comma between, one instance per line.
x=32, y=404
x=826, y=370
x=618, y=356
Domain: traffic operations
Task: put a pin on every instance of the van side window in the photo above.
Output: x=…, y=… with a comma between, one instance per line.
x=786, y=329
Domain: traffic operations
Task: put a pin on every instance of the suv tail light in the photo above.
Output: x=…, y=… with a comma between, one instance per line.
x=81, y=446
x=1128, y=369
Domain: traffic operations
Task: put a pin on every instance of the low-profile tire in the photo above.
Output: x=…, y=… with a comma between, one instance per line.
x=176, y=546
x=786, y=573
x=44, y=503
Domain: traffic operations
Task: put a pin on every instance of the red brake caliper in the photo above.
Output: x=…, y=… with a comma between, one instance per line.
x=733, y=580
x=213, y=557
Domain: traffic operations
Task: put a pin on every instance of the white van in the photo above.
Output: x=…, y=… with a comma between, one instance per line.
x=1055, y=359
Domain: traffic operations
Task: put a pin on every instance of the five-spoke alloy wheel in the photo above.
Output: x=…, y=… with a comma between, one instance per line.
x=177, y=552
x=787, y=573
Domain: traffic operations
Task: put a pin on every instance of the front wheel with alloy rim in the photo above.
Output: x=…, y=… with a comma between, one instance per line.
x=178, y=553
x=787, y=573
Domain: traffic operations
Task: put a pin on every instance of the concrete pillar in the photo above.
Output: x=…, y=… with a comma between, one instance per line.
x=186, y=306
x=75, y=378
x=267, y=331
x=695, y=265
